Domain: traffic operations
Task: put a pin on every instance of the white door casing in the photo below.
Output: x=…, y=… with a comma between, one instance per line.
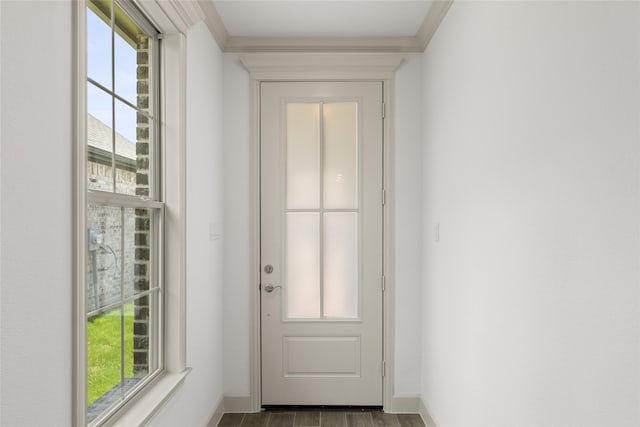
x=321, y=339
x=298, y=66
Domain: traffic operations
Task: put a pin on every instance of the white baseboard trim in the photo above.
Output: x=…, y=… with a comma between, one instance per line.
x=407, y=404
x=426, y=414
x=218, y=412
x=235, y=403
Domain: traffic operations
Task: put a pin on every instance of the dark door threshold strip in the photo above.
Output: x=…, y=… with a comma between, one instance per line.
x=325, y=408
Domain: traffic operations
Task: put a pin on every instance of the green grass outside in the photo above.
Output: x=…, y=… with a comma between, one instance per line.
x=103, y=367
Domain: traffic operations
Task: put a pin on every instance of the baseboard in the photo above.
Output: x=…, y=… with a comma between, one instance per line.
x=218, y=412
x=407, y=404
x=426, y=414
x=237, y=403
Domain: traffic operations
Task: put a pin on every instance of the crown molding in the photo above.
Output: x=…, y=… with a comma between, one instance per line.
x=436, y=14
x=241, y=44
x=321, y=44
x=214, y=23
x=183, y=14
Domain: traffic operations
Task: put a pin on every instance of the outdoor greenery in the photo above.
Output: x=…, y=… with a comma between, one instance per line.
x=104, y=344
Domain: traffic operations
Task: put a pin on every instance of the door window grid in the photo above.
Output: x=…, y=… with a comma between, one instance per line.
x=306, y=285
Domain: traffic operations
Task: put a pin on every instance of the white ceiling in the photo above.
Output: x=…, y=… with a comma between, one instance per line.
x=316, y=25
x=322, y=18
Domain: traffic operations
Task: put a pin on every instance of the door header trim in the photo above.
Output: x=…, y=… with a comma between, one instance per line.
x=321, y=66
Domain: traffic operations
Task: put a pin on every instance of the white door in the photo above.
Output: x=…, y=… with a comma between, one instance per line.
x=321, y=243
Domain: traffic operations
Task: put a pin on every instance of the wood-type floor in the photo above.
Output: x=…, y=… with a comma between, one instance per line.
x=321, y=418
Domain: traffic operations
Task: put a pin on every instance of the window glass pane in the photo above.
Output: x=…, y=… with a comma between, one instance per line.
x=131, y=280
x=145, y=157
x=120, y=262
x=302, y=284
x=140, y=262
x=99, y=140
x=303, y=128
x=125, y=128
x=99, y=42
x=341, y=265
x=105, y=256
x=138, y=248
x=127, y=39
x=141, y=122
x=126, y=149
x=136, y=345
x=340, y=155
x=104, y=367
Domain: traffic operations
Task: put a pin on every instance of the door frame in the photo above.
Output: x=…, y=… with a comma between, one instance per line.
x=293, y=67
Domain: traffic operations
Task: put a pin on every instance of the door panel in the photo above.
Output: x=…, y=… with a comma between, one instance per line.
x=321, y=232
x=321, y=356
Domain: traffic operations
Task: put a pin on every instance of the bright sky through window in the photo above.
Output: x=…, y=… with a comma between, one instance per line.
x=99, y=69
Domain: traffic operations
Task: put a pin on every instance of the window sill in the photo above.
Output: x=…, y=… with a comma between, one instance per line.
x=149, y=404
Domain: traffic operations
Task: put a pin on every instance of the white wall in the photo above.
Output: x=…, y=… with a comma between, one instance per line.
x=237, y=205
x=194, y=403
x=408, y=224
x=530, y=298
x=237, y=244
x=35, y=199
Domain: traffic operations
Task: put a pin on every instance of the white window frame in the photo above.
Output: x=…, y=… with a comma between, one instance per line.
x=146, y=403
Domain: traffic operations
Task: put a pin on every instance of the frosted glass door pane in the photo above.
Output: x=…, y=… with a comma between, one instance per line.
x=303, y=156
x=340, y=155
x=302, y=283
x=341, y=265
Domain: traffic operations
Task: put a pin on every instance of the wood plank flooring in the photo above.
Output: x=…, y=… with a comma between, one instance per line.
x=320, y=418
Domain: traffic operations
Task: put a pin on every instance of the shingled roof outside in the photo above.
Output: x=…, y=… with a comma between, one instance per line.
x=99, y=136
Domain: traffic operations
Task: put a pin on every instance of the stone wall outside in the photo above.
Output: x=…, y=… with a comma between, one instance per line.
x=104, y=283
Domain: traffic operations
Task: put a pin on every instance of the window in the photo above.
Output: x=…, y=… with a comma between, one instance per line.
x=124, y=211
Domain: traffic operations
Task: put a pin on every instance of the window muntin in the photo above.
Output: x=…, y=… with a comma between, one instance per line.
x=124, y=214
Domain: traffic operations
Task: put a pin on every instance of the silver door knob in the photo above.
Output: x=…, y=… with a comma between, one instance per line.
x=268, y=288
